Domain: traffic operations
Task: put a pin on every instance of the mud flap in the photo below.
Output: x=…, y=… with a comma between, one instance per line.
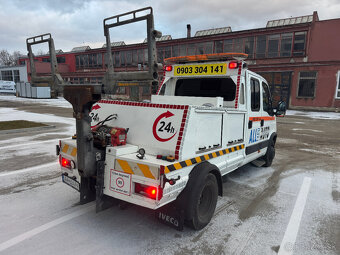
x=171, y=216
x=86, y=192
x=102, y=202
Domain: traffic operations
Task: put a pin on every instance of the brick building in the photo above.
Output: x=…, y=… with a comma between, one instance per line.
x=299, y=57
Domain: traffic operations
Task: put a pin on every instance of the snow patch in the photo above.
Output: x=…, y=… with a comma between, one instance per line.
x=315, y=115
x=58, y=102
x=303, y=129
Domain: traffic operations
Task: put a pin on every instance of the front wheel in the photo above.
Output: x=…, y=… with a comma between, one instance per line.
x=204, y=203
x=270, y=154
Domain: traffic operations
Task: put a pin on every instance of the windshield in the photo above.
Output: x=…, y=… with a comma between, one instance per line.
x=206, y=87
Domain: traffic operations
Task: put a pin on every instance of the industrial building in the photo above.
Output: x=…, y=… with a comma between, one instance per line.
x=14, y=73
x=299, y=57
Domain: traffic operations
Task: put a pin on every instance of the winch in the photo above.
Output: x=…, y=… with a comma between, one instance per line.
x=109, y=136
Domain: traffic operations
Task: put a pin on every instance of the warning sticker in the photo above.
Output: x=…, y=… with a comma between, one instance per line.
x=120, y=182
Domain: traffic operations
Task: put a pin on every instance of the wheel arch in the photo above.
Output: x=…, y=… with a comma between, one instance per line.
x=273, y=137
x=197, y=177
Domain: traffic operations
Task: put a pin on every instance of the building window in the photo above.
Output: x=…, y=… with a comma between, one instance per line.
x=46, y=60
x=140, y=56
x=134, y=58
x=6, y=75
x=160, y=54
x=167, y=52
x=338, y=86
x=261, y=45
x=61, y=59
x=86, y=60
x=249, y=46
x=16, y=75
x=175, y=50
x=146, y=57
x=191, y=49
x=307, y=81
x=255, y=95
x=273, y=46
x=146, y=90
x=238, y=45
x=116, y=59
x=218, y=47
x=183, y=50
x=286, y=45
x=129, y=58
x=228, y=45
x=299, y=43
x=121, y=90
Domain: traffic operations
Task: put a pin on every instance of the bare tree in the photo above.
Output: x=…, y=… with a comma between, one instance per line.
x=6, y=59
x=40, y=52
x=16, y=55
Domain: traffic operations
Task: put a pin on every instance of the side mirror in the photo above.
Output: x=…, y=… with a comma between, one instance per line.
x=281, y=108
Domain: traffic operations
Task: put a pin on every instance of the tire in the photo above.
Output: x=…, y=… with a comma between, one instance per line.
x=203, y=203
x=270, y=154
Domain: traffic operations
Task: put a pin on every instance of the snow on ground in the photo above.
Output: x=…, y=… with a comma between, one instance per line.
x=37, y=150
x=305, y=129
x=315, y=115
x=7, y=114
x=59, y=102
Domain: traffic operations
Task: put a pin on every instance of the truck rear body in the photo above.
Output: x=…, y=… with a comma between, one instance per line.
x=202, y=115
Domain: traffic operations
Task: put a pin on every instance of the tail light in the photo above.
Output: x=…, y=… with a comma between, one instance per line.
x=64, y=162
x=233, y=65
x=149, y=191
x=168, y=68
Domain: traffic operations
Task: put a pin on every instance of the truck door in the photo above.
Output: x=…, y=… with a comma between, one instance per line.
x=253, y=137
x=267, y=120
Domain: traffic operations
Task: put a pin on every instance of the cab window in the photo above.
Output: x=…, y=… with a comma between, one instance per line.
x=162, y=91
x=255, y=94
x=266, y=98
x=207, y=87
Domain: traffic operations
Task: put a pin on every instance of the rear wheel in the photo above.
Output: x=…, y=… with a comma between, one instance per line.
x=204, y=203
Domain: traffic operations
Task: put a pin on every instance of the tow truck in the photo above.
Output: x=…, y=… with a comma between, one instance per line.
x=210, y=116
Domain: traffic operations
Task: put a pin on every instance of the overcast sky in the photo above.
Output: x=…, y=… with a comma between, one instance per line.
x=80, y=22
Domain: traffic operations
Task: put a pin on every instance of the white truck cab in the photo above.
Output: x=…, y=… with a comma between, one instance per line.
x=210, y=116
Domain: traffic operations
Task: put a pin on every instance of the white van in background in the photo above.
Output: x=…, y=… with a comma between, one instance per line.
x=7, y=87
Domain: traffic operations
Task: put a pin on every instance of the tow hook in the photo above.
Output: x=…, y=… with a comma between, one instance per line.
x=172, y=181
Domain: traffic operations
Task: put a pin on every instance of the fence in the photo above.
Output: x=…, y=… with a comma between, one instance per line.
x=24, y=89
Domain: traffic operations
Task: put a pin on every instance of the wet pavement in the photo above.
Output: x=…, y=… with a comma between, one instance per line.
x=258, y=213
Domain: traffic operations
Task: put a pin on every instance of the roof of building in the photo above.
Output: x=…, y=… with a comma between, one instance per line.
x=290, y=21
x=213, y=31
x=115, y=44
x=162, y=38
x=80, y=48
x=59, y=51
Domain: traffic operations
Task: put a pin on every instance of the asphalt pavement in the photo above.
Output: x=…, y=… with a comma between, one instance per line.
x=292, y=207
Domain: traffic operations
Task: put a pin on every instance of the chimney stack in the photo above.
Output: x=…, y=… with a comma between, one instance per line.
x=188, y=30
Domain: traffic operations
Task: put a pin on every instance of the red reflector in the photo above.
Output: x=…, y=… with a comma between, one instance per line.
x=233, y=65
x=148, y=191
x=152, y=192
x=168, y=68
x=66, y=163
x=161, y=170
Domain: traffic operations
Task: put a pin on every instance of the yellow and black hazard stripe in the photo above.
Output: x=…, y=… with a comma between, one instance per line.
x=193, y=161
x=69, y=150
x=143, y=170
